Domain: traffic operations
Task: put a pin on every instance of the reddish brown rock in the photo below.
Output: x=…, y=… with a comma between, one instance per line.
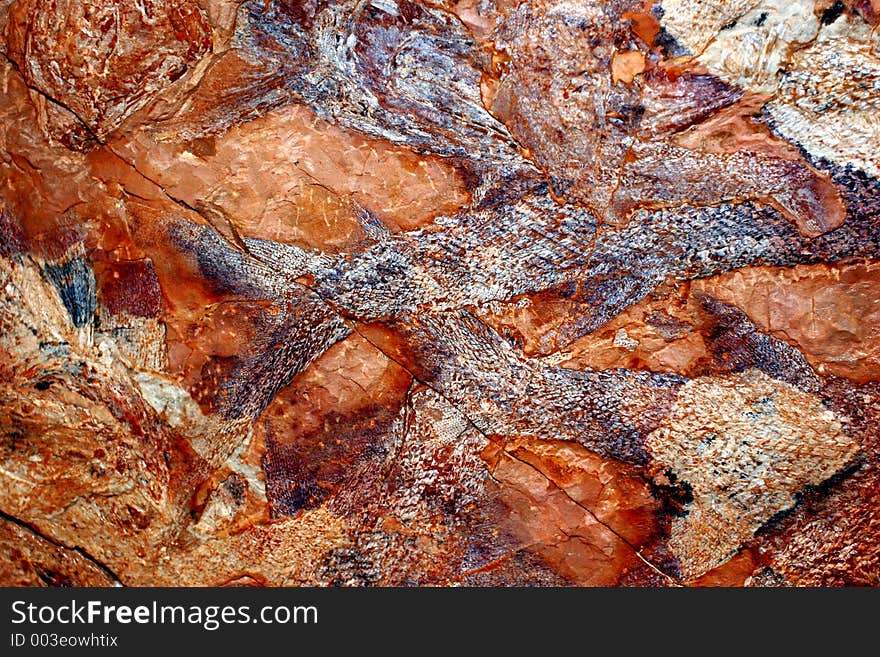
x=331, y=419
x=439, y=293
x=291, y=177
x=830, y=313
x=31, y=560
x=102, y=61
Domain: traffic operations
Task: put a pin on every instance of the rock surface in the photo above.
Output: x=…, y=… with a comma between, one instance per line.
x=387, y=292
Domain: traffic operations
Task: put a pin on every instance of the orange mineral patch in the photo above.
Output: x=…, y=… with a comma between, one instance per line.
x=830, y=312
x=291, y=177
x=625, y=66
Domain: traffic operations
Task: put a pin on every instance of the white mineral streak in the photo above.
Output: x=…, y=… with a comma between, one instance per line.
x=746, y=444
x=752, y=52
x=829, y=100
x=168, y=399
x=252, y=473
x=694, y=23
x=622, y=339
x=825, y=82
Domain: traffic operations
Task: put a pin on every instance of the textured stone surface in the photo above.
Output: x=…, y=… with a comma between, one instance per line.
x=745, y=445
x=386, y=292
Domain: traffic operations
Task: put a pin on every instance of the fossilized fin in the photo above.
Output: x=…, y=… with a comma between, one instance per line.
x=746, y=444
